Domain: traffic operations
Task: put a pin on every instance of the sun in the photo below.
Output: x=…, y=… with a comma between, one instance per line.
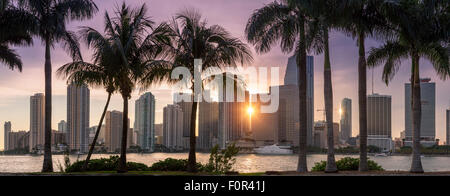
x=250, y=110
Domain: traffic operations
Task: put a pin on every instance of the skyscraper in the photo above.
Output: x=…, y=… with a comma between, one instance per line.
x=37, y=106
x=291, y=78
x=233, y=122
x=6, y=138
x=186, y=107
x=18, y=140
x=288, y=115
x=113, y=131
x=263, y=126
x=448, y=127
x=208, y=117
x=320, y=134
x=78, y=118
x=379, y=121
x=62, y=126
x=173, y=127
x=144, y=123
x=346, y=119
x=428, y=121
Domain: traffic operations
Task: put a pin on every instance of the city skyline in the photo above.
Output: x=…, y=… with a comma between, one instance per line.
x=19, y=86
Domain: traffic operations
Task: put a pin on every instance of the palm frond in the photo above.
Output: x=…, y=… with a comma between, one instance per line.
x=76, y=9
x=391, y=55
x=71, y=45
x=269, y=24
x=439, y=57
x=10, y=58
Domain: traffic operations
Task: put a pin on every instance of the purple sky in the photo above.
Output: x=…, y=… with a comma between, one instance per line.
x=16, y=88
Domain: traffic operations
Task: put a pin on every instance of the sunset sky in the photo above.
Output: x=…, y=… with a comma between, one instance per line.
x=16, y=88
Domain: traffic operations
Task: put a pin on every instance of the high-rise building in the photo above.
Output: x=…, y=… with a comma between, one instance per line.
x=173, y=127
x=58, y=138
x=346, y=119
x=208, y=117
x=263, y=126
x=288, y=115
x=78, y=118
x=233, y=121
x=186, y=107
x=428, y=121
x=18, y=140
x=289, y=94
x=113, y=131
x=37, y=120
x=92, y=131
x=321, y=133
x=448, y=127
x=101, y=136
x=379, y=121
x=159, y=134
x=144, y=123
x=158, y=129
x=62, y=126
x=6, y=138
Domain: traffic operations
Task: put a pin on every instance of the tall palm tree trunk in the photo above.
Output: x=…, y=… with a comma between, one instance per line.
x=91, y=149
x=123, y=150
x=328, y=92
x=48, y=164
x=416, y=165
x=302, y=84
x=362, y=99
x=192, y=162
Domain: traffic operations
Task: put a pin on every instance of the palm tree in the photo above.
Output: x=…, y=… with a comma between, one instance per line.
x=192, y=39
x=102, y=72
x=361, y=19
x=285, y=21
x=15, y=31
x=417, y=35
x=50, y=18
x=135, y=49
x=324, y=17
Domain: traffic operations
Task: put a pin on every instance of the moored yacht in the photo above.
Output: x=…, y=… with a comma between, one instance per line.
x=273, y=150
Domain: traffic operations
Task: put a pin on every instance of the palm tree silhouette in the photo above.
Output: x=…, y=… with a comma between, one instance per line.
x=362, y=19
x=50, y=19
x=100, y=73
x=324, y=17
x=415, y=36
x=192, y=39
x=136, y=50
x=286, y=21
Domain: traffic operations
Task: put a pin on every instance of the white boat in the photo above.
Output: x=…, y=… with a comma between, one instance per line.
x=273, y=150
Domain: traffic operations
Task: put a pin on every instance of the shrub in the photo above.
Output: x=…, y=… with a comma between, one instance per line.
x=222, y=161
x=347, y=164
x=103, y=164
x=170, y=164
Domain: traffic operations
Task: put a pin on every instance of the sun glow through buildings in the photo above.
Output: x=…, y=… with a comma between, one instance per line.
x=250, y=110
